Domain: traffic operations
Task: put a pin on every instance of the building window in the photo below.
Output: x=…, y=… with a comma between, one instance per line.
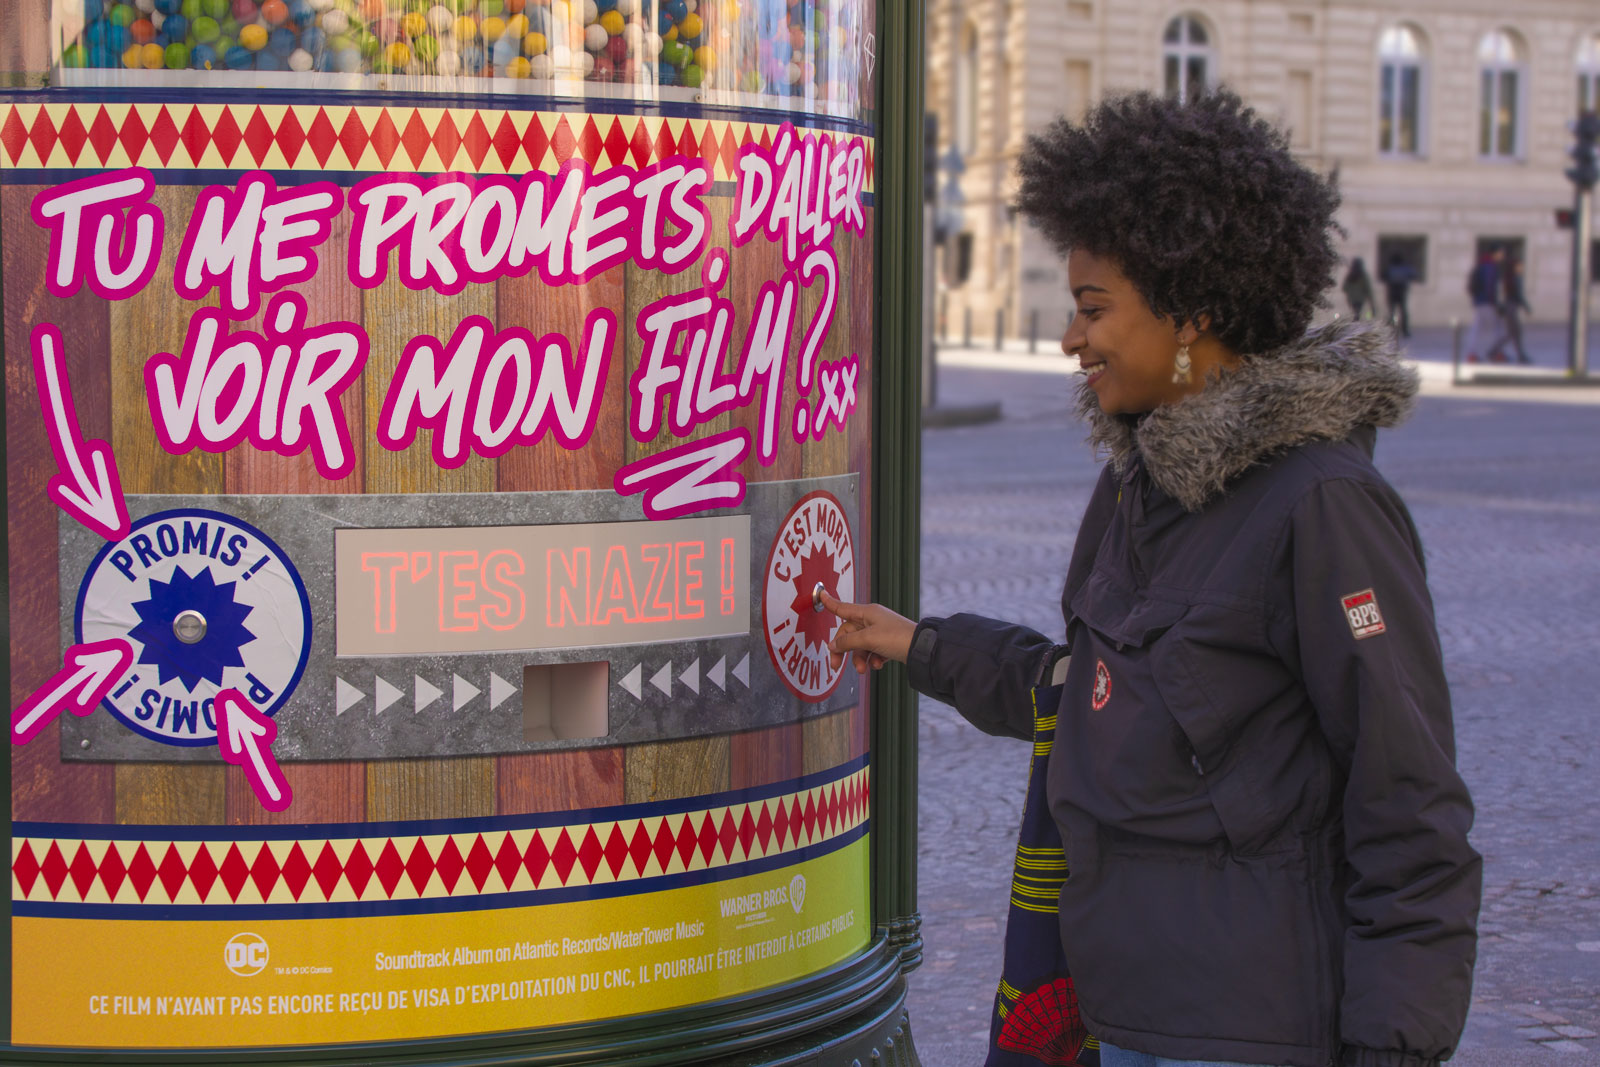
x=1187, y=58
x=1501, y=77
x=1589, y=75
x=1400, y=84
x=967, y=91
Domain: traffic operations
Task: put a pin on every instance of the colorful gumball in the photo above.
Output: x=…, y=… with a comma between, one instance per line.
x=413, y=24
x=239, y=57
x=141, y=31
x=693, y=76
x=466, y=29
x=595, y=37
x=535, y=44
x=334, y=22
x=243, y=10
x=448, y=63
x=539, y=67
x=690, y=25
x=440, y=19
x=274, y=12
x=397, y=55
x=603, y=69
x=518, y=67
x=282, y=42
x=617, y=49
x=253, y=37
x=426, y=48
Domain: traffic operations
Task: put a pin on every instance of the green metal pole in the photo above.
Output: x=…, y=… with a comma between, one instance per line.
x=897, y=453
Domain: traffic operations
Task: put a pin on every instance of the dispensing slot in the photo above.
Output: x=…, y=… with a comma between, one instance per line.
x=565, y=701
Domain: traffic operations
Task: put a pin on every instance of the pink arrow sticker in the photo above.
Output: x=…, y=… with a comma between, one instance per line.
x=245, y=737
x=86, y=486
x=90, y=672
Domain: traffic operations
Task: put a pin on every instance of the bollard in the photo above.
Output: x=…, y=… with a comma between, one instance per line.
x=966, y=327
x=1033, y=331
x=1455, y=351
x=944, y=318
x=999, y=329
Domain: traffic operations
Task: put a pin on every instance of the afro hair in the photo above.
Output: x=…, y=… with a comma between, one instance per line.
x=1200, y=204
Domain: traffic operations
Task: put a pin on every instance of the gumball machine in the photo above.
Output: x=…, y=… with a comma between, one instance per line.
x=429, y=424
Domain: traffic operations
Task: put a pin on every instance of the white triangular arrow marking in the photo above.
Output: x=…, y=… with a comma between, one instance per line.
x=633, y=681
x=717, y=675
x=345, y=695
x=691, y=676
x=427, y=693
x=742, y=671
x=662, y=679
x=385, y=694
x=499, y=689
x=461, y=692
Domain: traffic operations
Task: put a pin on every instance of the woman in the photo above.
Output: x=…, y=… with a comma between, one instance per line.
x=1253, y=766
x=1358, y=290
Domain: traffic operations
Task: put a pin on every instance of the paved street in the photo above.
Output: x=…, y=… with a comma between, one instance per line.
x=1505, y=487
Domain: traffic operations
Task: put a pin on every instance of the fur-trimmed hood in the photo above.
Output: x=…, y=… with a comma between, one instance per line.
x=1323, y=387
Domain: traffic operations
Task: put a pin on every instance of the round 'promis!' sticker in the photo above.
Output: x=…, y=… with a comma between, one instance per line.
x=208, y=603
x=813, y=546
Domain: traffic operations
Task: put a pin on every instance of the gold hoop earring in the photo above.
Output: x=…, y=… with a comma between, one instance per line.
x=1182, y=366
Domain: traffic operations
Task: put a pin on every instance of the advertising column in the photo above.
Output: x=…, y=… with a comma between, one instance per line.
x=427, y=427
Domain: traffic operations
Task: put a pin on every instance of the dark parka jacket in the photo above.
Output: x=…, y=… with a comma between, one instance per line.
x=1254, y=764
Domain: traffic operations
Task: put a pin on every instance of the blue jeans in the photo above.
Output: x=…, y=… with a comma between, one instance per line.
x=1111, y=1056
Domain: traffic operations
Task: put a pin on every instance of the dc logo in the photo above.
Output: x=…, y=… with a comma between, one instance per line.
x=208, y=603
x=246, y=954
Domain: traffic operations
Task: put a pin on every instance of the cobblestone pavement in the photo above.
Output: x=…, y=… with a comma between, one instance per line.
x=1506, y=494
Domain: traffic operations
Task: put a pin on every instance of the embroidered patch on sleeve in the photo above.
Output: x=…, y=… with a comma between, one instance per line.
x=1102, y=685
x=1361, y=612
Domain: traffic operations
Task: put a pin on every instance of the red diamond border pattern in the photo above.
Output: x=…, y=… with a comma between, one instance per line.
x=228, y=871
x=342, y=138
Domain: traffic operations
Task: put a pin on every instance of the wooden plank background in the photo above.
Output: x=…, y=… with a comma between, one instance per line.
x=107, y=345
x=42, y=786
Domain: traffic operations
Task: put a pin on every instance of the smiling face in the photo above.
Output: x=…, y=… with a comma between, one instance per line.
x=1127, y=350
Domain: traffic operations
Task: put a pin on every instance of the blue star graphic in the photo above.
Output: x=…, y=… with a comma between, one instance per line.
x=225, y=631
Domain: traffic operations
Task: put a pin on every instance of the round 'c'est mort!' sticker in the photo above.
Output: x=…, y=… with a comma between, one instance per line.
x=813, y=546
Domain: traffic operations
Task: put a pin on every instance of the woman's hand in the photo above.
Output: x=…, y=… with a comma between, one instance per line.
x=871, y=633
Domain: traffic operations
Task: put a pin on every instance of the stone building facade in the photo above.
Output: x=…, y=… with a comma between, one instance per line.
x=1447, y=121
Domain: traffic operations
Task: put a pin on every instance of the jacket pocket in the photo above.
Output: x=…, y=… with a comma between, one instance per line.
x=1163, y=940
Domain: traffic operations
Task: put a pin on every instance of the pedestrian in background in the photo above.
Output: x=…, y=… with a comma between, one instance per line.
x=1262, y=830
x=1514, y=301
x=1397, y=276
x=1483, y=286
x=1358, y=290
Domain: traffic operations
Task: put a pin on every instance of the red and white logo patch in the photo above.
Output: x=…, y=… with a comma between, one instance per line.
x=1102, y=685
x=1361, y=612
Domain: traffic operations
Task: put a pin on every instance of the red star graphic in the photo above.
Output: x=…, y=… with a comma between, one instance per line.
x=815, y=626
